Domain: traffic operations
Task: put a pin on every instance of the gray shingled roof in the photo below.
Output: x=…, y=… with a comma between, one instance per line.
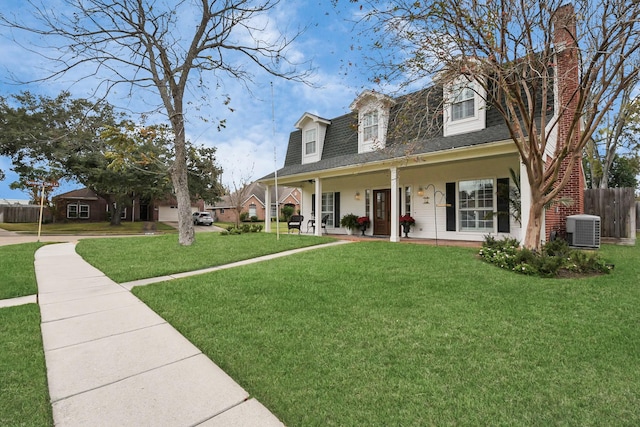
x=341, y=141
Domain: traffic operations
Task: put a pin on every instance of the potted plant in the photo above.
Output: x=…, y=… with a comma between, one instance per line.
x=406, y=221
x=363, y=223
x=349, y=222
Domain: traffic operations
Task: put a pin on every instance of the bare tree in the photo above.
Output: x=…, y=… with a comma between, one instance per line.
x=617, y=135
x=240, y=191
x=167, y=47
x=517, y=53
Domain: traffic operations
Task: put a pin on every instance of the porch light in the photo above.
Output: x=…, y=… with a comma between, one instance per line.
x=420, y=191
x=357, y=196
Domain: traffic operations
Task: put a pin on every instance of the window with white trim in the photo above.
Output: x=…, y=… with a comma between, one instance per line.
x=77, y=210
x=310, y=142
x=370, y=126
x=72, y=211
x=328, y=203
x=84, y=212
x=252, y=210
x=463, y=104
x=475, y=200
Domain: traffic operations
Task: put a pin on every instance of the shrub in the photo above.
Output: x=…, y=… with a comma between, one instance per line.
x=287, y=211
x=349, y=221
x=554, y=257
x=244, y=216
x=254, y=218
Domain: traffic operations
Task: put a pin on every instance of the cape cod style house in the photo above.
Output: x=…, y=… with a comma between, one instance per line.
x=439, y=155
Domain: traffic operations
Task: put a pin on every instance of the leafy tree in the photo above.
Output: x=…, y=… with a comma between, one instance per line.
x=149, y=149
x=40, y=133
x=624, y=171
x=167, y=47
x=508, y=50
x=91, y=144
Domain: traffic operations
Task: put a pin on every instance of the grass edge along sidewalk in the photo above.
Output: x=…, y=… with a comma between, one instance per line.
x=144, y=257
x=385, y=334
x=23, y=378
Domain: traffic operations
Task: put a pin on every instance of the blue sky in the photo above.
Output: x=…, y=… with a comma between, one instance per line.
x=246, y=146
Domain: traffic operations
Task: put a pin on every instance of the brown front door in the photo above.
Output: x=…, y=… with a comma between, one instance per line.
x=382, y=212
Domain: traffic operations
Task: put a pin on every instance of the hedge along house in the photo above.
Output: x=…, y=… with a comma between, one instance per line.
x=440, y=155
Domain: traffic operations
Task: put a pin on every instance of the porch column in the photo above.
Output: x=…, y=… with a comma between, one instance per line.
x=318, y=212
x=267, y=210
x=395, y=215
x=525, y=203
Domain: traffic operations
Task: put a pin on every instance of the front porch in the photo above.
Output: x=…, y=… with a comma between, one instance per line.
x=411, y=240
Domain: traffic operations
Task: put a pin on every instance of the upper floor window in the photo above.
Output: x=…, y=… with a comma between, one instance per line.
x=463, y=105
x=310, y=142
x=370, y=126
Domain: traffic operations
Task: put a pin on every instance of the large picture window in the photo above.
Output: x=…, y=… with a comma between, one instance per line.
x=310, y=142
x=463, y=105
x=370, y=126
x=476, y=205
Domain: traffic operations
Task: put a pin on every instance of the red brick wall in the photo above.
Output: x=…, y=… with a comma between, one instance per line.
x=567, y=80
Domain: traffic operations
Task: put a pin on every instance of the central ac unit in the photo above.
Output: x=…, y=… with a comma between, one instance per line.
x=583, y=231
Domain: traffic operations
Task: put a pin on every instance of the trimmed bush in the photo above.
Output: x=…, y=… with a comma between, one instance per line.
x=556, y=257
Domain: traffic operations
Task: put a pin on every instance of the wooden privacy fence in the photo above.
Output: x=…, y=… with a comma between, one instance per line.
x=30, y=213
x=616, y=208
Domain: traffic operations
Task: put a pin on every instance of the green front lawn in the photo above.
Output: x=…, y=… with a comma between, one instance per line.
x=17, y=273
x=124, y=260
x=390, y=334
x=24, y=396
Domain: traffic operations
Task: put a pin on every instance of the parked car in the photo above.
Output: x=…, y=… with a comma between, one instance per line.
x=202, y=218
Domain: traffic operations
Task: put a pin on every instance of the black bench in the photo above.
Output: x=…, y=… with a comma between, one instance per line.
x=295, y=222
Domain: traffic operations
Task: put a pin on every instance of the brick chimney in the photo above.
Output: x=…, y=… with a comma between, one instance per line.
x=567, y=80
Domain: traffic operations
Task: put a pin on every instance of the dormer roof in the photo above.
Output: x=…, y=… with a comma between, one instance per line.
x=308, y=117
x=371, y=96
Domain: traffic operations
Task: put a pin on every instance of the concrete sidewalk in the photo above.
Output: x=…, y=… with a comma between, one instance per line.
x=112, y=361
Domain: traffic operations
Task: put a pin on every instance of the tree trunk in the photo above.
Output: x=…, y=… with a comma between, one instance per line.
x=186, y=235
x=115, y=209
x=116, y=212
x=534, y=227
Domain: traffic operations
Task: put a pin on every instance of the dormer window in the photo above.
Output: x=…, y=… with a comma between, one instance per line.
x=310, y=142
x=370, y=126
x=464, y=108
x=313, y=130
x=463, y=105
x=373, y=118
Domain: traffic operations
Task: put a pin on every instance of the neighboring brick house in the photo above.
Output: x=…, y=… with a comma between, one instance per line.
x=80, y=205
x=85, y=205
x=254, y=202
x=447, y=180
